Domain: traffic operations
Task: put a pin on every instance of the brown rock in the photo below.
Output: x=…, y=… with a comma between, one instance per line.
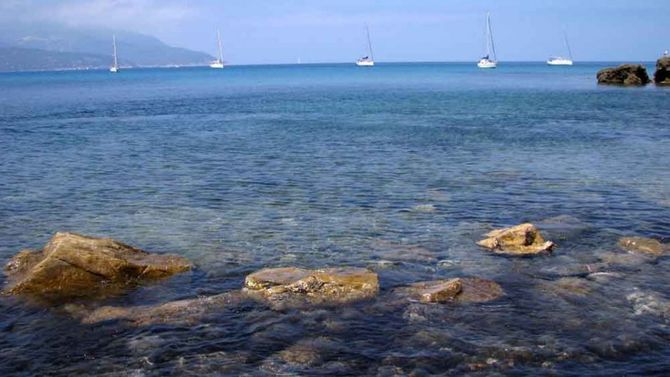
x=520, y=240
x=662, y=74
x=323, y=286
x=434, y=291
x=460, y=290
x=72, y=265
x=642, y=245
x=627, y=75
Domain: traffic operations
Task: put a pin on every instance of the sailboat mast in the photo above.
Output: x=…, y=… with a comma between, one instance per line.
x=116, y=63
x=218, y=38
x=367, y=29
x=567, y=44
x=490, y=32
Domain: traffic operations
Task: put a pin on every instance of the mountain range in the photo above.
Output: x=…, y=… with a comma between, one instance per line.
x=53, y=47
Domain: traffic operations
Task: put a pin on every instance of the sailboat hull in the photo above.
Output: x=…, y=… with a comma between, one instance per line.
x=487, y=64
x=113, y=69
x=559, y=61
x=216, y=65
x=365, y=63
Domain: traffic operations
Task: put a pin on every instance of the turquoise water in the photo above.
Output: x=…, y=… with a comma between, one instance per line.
x=319, y=165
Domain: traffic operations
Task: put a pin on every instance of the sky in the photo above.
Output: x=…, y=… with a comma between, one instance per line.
x=313, y=31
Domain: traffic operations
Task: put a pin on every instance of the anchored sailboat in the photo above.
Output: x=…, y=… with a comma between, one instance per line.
x=487, y=61
x=558, y=60
x=367, y=61
x=218, y=63
x=115, y=67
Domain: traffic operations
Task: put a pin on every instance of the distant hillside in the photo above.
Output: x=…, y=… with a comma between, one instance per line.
x=30, y=59
x=29, y=47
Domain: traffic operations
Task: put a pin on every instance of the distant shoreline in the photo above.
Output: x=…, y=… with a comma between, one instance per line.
x=205, y=66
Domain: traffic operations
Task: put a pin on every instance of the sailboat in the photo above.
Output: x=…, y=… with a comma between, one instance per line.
x=115, y=67
x=558, y=60
x=487, y=61
x=218, y=63
x=367, y=61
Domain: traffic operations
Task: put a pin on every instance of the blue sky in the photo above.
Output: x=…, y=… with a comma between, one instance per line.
x=276, y=31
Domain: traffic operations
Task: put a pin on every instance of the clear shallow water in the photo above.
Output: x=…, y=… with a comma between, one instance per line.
x=320, y=165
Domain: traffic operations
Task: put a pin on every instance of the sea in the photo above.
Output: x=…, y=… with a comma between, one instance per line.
x=400, y=169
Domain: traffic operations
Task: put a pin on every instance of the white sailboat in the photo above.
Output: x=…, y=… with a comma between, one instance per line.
x=115, y=67
x=559, y=60
x=218, y=63
x=490, y=60
x=367, y=61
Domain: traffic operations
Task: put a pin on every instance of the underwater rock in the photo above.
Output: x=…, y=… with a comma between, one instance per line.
x=435, y=291
x=520, y=240
x=72, y=265
x=649, y=303
x=399, y=252
x=648, y=246
x=627, y=75
x=293, y=286
x=569, y=286
x=460, y=290
x=176, y=312
x=662, y=74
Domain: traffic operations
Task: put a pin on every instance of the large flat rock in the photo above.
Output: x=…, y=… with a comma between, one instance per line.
x=289, y=285
x=72, y=265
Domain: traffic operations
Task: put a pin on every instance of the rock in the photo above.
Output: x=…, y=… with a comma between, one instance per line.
x=72, y=265
x=642, y=245
x=520, y=240
x=662, y=74
x=463, y=290
x=435, y=291
x=176, y=312
x=290, y=285
x=476, y=290
x=627, y=75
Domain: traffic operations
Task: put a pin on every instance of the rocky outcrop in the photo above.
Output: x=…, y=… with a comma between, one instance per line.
x=662, y=74
x=520, y=240
x=641, y=245
x=328, y=286
x=627, y=75
x=72, y=265
x=459, y=290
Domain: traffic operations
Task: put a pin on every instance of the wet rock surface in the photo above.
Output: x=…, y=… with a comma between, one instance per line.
x=662, y=74
x=626, y=75
x=328, y=286
x=72, y=265
x=520, y=240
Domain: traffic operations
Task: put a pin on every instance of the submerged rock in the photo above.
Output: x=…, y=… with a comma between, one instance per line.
x=662, y=74
x=520, y=240
x=463, y=290
x=290, y=285
x=72, y=265
x=176, y=312
x=648, y=246
x=399, y=252
x=627, y=75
